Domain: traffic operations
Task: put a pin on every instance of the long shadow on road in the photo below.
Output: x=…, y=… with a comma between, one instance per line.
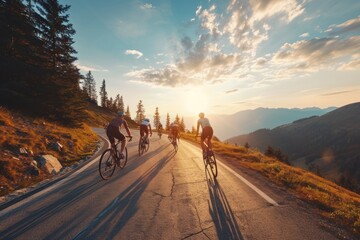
x=220, y=210
x=108, y=223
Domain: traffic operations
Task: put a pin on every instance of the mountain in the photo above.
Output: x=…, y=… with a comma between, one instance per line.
x=329, y=143
x=243, y=122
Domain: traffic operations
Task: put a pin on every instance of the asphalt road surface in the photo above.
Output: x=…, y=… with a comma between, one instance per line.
x=160, y=195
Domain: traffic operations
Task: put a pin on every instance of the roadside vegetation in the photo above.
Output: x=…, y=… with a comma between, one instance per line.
x=332, y=201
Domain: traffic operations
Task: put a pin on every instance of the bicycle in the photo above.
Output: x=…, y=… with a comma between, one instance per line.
x=159, y=134
x=210, y=157
x=110, y=158
x=175, y=144
x=143, y=145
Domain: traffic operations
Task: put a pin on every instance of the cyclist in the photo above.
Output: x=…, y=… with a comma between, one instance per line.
x=113, y=131
x=160, y=128
x=174, y=130
x=207, y=131
x=144, y=129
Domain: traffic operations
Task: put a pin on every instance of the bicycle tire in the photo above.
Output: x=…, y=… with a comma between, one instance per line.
x=107, y=164
x=147, y=145
x=123, y=161
x=212, y=162
x=175, y=146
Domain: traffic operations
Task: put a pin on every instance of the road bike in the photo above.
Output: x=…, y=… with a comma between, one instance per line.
x=111, y=158
x=144, y=145
x=209, y=158
x=175, y=144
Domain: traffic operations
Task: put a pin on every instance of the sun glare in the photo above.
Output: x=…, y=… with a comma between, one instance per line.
x=195, y=102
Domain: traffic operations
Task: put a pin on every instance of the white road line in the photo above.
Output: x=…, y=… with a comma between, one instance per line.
x=258, y=191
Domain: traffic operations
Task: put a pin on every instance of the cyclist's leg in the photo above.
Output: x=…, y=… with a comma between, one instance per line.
x=110, y=132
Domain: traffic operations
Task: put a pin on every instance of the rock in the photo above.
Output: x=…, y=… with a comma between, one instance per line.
x=56, y=146
x=49, y=163
x=23, y=151
x=32, y=170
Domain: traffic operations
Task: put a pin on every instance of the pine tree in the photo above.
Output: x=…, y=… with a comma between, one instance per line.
x=167, y=122
x=89, y=86
x=127, y=113
x=182, y=125
x=121, y=105
x=156, y=118
x=140, y=112
x=103, y=95
x=177, y=119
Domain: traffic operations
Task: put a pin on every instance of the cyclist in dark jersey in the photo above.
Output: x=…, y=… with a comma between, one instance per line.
x=113, y=131
x=207, y=131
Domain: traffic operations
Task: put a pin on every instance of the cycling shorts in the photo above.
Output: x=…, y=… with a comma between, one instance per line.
x=144, y=129
x=206, y=132
x=114, y=132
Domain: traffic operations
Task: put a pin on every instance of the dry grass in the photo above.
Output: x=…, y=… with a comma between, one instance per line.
x=334, y=202
x=19, y=131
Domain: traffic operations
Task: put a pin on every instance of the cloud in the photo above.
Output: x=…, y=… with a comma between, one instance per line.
x=231, y=91
x=351, y=65
x=351, y=25
x=146, y=6
x=337, y=93
x=304, y=35
x=289, y=9
x=315, y=54
x=136, y=53
x=90, y=68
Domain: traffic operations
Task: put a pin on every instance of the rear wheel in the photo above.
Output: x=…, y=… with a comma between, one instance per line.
x=123, y=161
x=147, y=145
x=212, y=163
x=107, y=165
x=175, y=146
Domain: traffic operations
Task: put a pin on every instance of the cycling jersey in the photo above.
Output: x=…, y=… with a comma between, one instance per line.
x=204, y=122
x=146, y=123
x=113, y=130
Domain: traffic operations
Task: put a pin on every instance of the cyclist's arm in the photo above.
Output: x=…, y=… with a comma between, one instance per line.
x=127, y=128
x=197, y=128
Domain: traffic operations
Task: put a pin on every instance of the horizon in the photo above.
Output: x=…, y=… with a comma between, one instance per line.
x=220, y=57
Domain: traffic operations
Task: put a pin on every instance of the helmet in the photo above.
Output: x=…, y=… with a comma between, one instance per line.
x=146, y=120
x=201, y=114
x=120, y=113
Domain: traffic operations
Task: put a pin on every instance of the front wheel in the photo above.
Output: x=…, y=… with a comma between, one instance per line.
x=107, y=165
x=175, y=146
x=123, y=161
x=213, y=165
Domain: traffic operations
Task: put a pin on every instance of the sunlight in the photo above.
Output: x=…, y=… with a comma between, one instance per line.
x=195, y=102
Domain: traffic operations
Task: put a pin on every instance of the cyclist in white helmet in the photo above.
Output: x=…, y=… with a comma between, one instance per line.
x=207, y=131
x=144, y=129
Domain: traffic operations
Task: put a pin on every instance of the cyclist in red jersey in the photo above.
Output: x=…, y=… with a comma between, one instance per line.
x=113, y=131
x=207, y=131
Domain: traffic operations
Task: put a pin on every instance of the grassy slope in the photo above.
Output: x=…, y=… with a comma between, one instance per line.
x=334, y=202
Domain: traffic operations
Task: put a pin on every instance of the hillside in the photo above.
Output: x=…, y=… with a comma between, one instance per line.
x=247, y=121
x=25, y=138
x=328, y=144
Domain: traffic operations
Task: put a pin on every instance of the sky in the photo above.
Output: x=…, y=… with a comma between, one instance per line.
x=220, y=57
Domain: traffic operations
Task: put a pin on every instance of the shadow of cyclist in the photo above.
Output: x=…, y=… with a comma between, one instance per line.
x=220, y=210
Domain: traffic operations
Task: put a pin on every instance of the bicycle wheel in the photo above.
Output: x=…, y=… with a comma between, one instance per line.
x=175, y=146
x=212, y=162
x=147, y=145
x=123, y=161
x=141, y=149
x=106, y=165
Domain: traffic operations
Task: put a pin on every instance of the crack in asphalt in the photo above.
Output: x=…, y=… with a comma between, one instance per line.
x=202, y=229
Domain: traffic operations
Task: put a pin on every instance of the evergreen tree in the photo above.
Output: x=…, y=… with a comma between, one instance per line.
x=156, y=118
x=103, y=95
x=140, y=112
x=182, y=125
x=127, y=113
x=167, y=127
x=177, y=119
x=121, y=105
x=89, y=87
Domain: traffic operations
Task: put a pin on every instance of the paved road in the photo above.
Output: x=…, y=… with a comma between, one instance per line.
x=160, y=195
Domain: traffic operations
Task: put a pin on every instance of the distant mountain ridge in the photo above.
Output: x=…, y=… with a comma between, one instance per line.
x=330, y=142
x=243, y=122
